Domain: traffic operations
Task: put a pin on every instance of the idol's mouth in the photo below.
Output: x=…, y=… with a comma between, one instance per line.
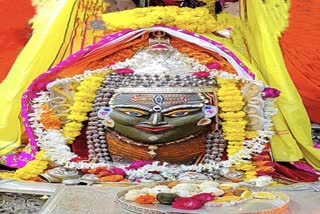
x=153, y=129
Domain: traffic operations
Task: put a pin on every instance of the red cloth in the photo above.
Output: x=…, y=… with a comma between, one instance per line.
x=300, y=44
x=14, y=31
x=287, y=171
x=79, y=146
x=171, y=3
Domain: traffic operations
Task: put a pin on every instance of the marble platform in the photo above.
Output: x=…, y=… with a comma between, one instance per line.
x=305, y=198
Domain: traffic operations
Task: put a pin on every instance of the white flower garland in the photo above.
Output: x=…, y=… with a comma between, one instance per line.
x=50, y=140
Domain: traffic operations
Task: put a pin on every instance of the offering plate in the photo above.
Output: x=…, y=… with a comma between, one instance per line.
x=278, y=205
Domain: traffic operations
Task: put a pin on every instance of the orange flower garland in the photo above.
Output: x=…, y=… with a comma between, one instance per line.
x=49, y=119
x=263, y=162
x=202, y=55
x=118, y=56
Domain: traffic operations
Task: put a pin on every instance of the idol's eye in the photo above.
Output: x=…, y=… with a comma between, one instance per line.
x=133, y=112
x=178, y=113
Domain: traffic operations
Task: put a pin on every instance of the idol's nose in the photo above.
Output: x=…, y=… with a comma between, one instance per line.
x=155, y=120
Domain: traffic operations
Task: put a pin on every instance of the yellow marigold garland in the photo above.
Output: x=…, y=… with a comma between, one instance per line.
x=230, y=96
x=197, y=20
x=210, y=4
x=31, y=170
x=83, y=102
x=233, y=125
x=232, y=116
x=251, y=134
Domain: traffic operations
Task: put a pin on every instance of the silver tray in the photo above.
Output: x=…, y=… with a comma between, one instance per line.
x=279, y=205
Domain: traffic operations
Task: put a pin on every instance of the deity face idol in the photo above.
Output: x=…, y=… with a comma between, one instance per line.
x=157, y=118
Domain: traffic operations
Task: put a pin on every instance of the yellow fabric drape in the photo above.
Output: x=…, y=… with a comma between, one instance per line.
x=264, y=24
x=50, y=43
x=255, y=42
x=36, y=58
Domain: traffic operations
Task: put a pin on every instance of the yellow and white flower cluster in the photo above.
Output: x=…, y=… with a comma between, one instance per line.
x=83, y=102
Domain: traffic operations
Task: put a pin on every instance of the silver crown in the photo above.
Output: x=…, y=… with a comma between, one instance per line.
x=161, y=58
